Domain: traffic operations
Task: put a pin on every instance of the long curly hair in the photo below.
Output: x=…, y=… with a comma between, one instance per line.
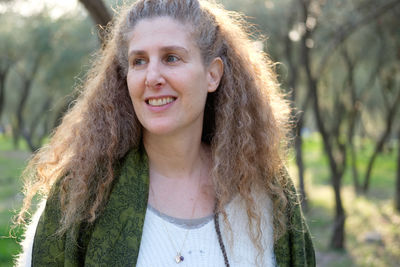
x=245, y=121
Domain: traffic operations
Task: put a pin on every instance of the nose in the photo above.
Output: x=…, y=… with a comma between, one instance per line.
x=154, y=76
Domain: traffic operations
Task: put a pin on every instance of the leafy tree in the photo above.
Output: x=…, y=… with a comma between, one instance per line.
x=397, y=188
x=49, y=54
x=315, y=40
x=8, y=57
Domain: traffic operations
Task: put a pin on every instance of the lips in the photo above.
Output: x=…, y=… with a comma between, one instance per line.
x=160, y=101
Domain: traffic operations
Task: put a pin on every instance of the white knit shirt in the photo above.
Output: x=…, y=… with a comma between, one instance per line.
x=201, y=248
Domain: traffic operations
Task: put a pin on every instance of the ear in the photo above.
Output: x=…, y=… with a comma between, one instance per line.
x=214, y=74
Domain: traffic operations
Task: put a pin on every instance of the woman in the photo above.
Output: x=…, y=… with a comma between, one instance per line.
x=172, y=152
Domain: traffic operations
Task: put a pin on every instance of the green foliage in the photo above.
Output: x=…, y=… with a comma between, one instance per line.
x=61, y=47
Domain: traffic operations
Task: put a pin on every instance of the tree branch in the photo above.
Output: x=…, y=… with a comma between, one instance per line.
x=349, y=27
x=99, y=13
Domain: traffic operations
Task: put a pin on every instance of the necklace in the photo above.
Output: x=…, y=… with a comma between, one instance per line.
x=178, y=257
x=219, y=235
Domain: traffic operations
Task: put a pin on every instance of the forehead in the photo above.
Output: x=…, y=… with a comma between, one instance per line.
x=164, y=31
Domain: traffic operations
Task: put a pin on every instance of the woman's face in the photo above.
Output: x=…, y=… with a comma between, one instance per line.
x=167, y=81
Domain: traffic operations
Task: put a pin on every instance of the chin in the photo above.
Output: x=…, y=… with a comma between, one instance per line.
x=159, y=129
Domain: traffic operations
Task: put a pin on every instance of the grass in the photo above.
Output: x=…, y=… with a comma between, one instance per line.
x=11, y=164
x=370, y=215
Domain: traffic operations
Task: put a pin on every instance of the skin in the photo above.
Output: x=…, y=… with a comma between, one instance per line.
x=165, y=64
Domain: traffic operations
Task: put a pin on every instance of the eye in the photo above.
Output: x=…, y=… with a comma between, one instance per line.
x=137, y=62
x=172, y=59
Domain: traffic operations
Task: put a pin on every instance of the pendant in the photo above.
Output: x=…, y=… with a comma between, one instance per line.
x=179, y=258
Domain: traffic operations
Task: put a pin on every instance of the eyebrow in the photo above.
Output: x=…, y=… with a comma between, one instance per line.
x=163, y=49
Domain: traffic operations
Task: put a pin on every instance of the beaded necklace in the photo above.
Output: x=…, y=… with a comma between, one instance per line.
x=220, y=241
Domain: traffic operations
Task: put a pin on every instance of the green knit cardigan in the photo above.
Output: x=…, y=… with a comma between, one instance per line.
x=114, y=239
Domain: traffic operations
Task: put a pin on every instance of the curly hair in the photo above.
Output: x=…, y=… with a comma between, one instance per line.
x=245, y=121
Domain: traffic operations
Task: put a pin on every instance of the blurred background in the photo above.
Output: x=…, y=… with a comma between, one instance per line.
x=338, y=61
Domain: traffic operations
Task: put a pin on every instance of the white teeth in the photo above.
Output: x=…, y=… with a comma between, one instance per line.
x=160, y=101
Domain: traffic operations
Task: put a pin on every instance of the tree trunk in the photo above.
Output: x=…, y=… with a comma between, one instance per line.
x=3, y=76
x=2, y=92
x=352, y=120
x=99, y=14
x=296, y=115
x=350, y=137
x=397, y=193
x=33, y=139
x=27, y=81
x=379, y=145
x=298, y=144
x=28, y=138
x=354, y=169
x=15, y=134
x=26, y=87
x=371, y=162
x=338, y=235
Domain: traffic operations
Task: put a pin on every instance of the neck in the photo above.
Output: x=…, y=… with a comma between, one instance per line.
x=175, y=157
x=179, y=175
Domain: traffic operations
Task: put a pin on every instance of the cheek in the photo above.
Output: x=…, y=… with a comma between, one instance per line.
x=193, y=80
x=199, y=86
x=133, y=86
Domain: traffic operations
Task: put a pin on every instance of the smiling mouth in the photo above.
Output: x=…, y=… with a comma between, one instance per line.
x=156, y=102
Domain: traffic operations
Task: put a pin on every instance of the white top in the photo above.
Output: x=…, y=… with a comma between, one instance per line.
x=201, y=247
